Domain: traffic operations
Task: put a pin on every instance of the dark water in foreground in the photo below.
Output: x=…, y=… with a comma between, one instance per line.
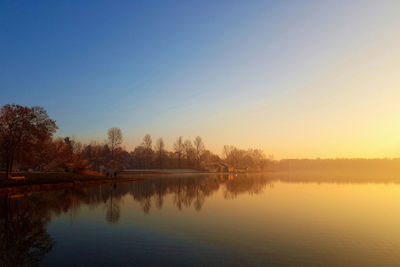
x=207, y=220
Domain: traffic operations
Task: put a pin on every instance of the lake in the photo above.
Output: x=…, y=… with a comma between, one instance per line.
x=208, y=220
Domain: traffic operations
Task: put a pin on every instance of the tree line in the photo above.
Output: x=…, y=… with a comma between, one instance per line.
x=27, y=142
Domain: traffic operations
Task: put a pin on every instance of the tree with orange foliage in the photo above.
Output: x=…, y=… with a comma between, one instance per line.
x=20, y=128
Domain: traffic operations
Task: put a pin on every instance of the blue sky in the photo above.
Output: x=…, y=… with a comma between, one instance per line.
x=225, y=70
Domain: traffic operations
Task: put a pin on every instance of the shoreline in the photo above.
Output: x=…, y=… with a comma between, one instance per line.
x=46, y=181
x=21, y=187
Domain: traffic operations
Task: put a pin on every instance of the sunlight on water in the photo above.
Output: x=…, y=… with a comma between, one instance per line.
x=207, y=220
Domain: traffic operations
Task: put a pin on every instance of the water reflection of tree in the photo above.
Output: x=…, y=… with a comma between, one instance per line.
x=113, y=208
x=191, y=191
x=251, y=184
x=23, y=237
x=183, y=190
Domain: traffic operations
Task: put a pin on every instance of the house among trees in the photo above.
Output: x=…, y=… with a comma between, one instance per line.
x=226, y=168
x=219, y=167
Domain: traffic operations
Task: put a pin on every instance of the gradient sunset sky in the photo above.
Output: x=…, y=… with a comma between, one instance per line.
x=295, y=78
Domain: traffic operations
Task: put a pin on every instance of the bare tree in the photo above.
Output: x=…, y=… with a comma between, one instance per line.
x=226, y=151
x=147, y=145
x=147, y=141
x=189, y=151
x=159, y=148
x=114, y=140
x=178, y=149
x=199, y=149
x=233, y=155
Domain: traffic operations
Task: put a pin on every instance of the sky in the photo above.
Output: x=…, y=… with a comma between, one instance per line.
x=298, y=79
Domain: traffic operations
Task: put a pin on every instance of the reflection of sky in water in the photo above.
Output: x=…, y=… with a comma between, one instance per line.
x=249, y=220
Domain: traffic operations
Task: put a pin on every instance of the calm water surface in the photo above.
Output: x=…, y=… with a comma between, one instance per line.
x=213, y=220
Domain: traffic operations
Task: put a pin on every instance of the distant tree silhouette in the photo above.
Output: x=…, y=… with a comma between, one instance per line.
x=178, y=149
x=189, y=152
x=159, y=148
x=199, y=149
x=147, y=145
x=114, y=140
x=138, y=157
x=253, y=159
